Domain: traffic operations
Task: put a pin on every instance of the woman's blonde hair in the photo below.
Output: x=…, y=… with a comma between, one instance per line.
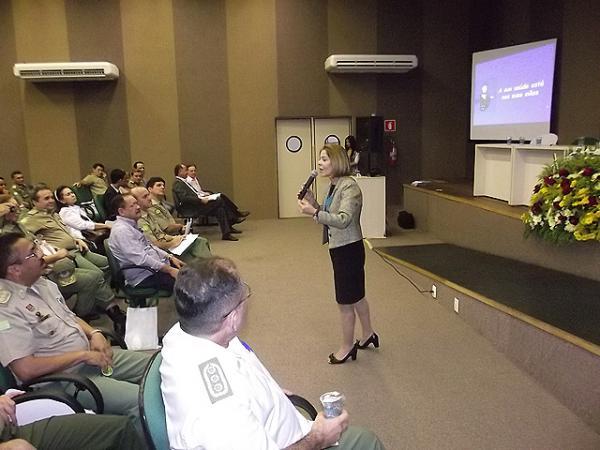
x=339, y=159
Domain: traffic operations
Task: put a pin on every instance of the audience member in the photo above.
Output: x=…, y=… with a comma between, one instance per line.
x=3, y=186
x=42, y=336
x=129, y=246
x=83, y=289
x=217, y=393
x=139, y=165
x=156, y=187
x=136, y=179
x=74, y=431
x=118, y=186
x=187, y=196
x=96, y=180
x=21, y=191
x=192, y=179
x=151, y=222
x=74, y=216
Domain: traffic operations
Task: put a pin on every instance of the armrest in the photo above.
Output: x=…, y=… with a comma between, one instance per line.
x=302, y=403
x=133, y=266
x=80, y=383
x=112, y=337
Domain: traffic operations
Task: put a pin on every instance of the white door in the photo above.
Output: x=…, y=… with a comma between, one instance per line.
x=294, y=162
x=331, y=131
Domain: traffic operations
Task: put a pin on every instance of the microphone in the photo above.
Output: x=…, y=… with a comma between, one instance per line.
x=311, y=178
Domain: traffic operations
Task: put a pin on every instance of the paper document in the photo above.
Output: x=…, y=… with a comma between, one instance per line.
x=188, y=226
x=187, y=241
x=214, y=196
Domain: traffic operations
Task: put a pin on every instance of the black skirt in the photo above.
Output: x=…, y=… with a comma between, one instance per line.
x=349, y=272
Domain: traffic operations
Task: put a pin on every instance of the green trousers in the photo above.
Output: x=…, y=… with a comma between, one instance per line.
x=81, y=431
x=357, y=438
x=199, y=249
x=120, y=390
x=89, y=290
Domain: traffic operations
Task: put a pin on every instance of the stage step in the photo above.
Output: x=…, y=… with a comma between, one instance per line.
x=566, y=365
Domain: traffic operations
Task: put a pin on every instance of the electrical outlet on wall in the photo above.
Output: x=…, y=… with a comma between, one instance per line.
x=434, y=291
x=456, y=303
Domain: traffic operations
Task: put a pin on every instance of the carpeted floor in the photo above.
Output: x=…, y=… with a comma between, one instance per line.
x=566, y=301
x=434, y=383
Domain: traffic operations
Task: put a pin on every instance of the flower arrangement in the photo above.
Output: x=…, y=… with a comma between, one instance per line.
x=565, y=205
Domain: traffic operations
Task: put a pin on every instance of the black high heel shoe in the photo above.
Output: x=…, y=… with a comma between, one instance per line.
x=373, y=339
x=351, y=354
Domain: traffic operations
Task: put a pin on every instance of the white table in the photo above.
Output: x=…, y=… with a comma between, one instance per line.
x=372, y=219
x=509, y=172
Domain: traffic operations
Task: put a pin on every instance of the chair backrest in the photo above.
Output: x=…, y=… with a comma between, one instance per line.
x=117, y=277
x=85, y=199
x=152, y=408
x=7, y=379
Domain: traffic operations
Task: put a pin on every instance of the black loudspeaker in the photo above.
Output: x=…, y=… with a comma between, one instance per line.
x=369, y=134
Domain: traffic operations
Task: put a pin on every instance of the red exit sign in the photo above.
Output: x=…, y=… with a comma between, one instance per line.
x=389, y=125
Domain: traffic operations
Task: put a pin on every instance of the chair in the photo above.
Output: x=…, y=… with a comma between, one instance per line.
x=85, y=199
x=152, y=408
x=189, y=211
x=135, y=296
x=37, y=389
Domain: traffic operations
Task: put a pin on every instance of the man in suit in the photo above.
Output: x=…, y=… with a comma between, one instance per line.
x=186, y=196
x=118, y=180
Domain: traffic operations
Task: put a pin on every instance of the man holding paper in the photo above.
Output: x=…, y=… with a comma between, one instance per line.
x=160, y=228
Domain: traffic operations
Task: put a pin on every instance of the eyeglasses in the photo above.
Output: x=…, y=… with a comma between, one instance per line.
x=36, y=253
x=246, y=296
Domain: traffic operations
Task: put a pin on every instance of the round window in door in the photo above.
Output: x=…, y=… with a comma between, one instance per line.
x=332, y=139
x=293, y=144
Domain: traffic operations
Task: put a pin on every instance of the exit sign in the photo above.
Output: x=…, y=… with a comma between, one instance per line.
x=389, y=125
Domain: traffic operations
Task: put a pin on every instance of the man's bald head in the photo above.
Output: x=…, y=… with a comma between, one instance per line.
x=142, y=196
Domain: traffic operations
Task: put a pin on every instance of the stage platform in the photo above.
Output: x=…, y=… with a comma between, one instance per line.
x=536, y=302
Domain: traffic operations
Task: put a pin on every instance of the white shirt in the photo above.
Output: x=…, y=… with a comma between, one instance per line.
x=196, y=185
x=76, y=219
x=223, y=398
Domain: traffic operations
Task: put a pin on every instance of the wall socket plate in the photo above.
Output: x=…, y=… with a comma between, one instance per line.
x=434, y=291
x=456, y=304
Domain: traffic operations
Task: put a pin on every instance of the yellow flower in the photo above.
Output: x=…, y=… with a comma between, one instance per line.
x=584, y=236
x=588, y=218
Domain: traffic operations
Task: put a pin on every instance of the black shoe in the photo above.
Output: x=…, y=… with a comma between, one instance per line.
x=119, y=319
x=373, y=339
x=351, y=354
x=238, y=220
x=229, y=237
x=235, y=231
x=243, y=213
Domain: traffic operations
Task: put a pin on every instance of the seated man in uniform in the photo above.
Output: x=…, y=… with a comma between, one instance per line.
x=96, y=180
x=81, y=431
x=152, y=221
x=42, y=221
x=21, y=191
x=83, y=289
x=2, y=185
x=118, y=186
x=39, y=335
x=217, y=394
x=136, y=179
x=130, y=246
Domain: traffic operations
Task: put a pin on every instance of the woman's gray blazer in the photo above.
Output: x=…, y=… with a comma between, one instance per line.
x=342, y=221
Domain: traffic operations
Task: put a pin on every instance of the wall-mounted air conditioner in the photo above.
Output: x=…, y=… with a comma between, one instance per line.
x=66, y=71
x=370, y=63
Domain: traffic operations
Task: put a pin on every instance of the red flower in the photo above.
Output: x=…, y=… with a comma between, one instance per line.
x=556, y=205
x=536, y=208
x=563, y=172
x=549, y=181
x=588, y=171
x=593, y=200
x=565, y=185
x=574, y=220
x=562, y=218
x=537, y=188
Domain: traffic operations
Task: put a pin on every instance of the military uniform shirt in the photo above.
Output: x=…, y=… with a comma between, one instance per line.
x=51, y=227
x=22, y=194
x=34, y=321
x=152, y=229
x=97, y=185
x=223, y=398
x=161, y=215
